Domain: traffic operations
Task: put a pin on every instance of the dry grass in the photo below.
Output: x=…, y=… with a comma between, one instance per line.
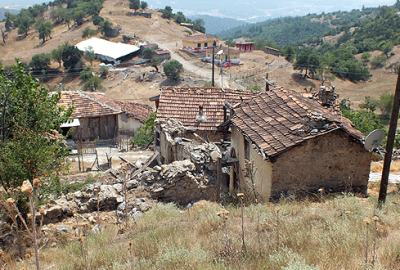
x=378, y=166
x=329, y=235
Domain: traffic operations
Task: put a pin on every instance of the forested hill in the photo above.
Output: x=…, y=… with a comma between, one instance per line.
x=215, y=25
x=3, y=11
x=290, y=30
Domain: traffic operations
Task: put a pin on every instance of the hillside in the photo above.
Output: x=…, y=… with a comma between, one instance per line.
x=127, y=85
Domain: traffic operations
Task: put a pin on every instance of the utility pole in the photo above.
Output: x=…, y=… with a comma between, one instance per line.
x=212, y=80
x=390, y=144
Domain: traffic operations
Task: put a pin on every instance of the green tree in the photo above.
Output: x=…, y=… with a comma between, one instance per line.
x=363, y=120
x=147, y=53
x=172, y=70
x=93, y=84
x=56, y=55
x=78, y=15
x=44, y=28
x=145, y=133
x=89, y=54
x=40, y=62
x=167, y=12
x=386, y=46
x=105, y=27
x=29, y=119
x=379, y=61
x=25, y=20
x=307, y=60
x=290, y=53
x=198, y=25
x=97, y=20
x=88, y=32
x=134, y=4
x=180, y=17
x=8, y=24
x=143, y=5
x=365, y=58
x=155, y=62
x=70, y=56
x=86, y=73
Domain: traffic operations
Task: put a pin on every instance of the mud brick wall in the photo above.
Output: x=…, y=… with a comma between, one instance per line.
x=333, y=161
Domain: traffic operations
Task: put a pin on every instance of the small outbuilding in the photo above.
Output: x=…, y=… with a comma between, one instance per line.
x=296, y=146
x=245, y=46
x=223, y=55
x=96, y=115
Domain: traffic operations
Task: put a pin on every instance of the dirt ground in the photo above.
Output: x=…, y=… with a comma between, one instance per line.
x=123, y=85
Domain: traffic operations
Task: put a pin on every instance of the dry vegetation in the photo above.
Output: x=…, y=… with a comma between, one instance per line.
x=329, y=234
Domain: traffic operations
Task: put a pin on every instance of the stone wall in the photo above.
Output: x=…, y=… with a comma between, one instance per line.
x=333, y=161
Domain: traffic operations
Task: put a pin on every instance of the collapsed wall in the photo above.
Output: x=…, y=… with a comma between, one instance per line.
x=189, y=173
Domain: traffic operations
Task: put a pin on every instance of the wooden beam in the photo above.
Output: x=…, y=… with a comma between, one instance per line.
x=390, y=144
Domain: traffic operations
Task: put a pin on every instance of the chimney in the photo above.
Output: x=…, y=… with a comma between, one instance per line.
x=201, y=109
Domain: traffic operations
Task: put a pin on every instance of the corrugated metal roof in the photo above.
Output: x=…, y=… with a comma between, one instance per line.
x=107, y=48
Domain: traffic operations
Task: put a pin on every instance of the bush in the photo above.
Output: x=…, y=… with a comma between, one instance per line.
x=147, y=53
x=40, y=62
x=70, y=57
x=379, y=61
x=97, y=20
x=103, y=72
x=88, y=32
x=172, y=70
x=86, y=73
x=145, y=132
x=93, y=84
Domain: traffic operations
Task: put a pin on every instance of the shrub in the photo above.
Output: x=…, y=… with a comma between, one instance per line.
x=172, y=70
x=97, y=20
x=94, y=83
x=88, y=32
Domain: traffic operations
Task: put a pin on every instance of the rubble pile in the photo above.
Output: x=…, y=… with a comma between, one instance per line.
x=85, y=201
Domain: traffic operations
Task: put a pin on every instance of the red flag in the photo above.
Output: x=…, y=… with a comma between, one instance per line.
x=228, y=65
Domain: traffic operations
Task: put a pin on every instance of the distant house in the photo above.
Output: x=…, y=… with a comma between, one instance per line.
x=272, y=51
x=108, y=51
x=162, y=55
x=297, y=146
x=245, y=46
x=223, y=55
x=199, y=43
x=97, y=116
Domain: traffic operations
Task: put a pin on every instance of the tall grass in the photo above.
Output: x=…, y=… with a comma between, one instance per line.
x=322, y=235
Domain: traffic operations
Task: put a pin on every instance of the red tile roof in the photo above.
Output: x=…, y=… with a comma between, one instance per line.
x=279, y=119
x=182, y=104
x=89, y=104
x=201, y=38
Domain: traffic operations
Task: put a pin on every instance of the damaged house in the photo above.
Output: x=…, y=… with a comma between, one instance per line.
x=296, y=146
x=97, y=116
x=200, y=110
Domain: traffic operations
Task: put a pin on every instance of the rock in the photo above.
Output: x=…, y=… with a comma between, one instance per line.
x=144, y=206
x=54, y=213
x=215, y=155
x=62, y=229
x=91, y=219
x=157, y=168
x=89, y=188
x=120, y=199
x=118, y=187
x=121, y=206
x=136, y=214
x=96, y=229
x=132, y=184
